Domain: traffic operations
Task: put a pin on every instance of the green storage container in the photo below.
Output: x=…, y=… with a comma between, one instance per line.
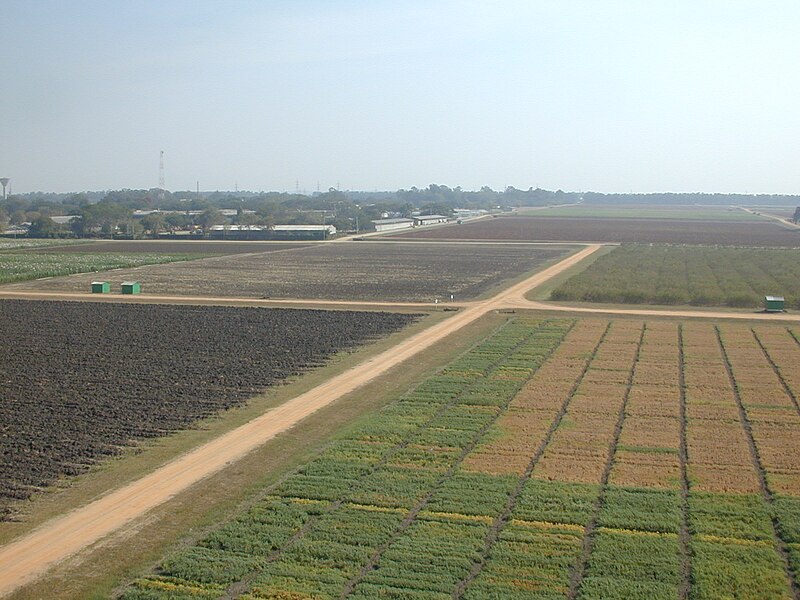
x=131, y=287
x=774, y=303
x=101, y=287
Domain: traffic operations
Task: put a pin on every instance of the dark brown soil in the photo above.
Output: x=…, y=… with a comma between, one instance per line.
x=666, y=231
x=81, y=380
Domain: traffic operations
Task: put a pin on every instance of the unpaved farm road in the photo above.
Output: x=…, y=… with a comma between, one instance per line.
x=24, y=559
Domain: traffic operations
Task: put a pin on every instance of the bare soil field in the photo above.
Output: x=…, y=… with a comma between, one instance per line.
x=96, y=377
x=566, y=229
x=342, y=271
x=170, y=247
x=644, y=211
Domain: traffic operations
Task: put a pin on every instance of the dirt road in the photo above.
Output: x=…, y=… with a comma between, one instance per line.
x=789, y=224
x=522, y=303
x=28, y=557
x=219, y=300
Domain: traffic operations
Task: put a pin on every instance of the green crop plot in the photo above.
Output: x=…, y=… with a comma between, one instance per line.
x=696, y=275
x=530, y=494
x=27, y=243
x=16, y=266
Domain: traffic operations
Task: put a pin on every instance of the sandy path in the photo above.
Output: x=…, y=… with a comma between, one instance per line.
x=782, y=220
x=28, y=557
x=522, y=303
x=217, y=300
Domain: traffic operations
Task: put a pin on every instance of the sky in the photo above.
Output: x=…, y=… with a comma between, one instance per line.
x=602, y=95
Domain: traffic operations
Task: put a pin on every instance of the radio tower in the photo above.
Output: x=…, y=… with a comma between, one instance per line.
x=161, y=184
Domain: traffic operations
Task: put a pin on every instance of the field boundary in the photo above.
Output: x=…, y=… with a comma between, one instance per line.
x=684, y=535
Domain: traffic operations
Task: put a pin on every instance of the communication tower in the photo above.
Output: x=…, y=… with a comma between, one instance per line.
x=161, y=184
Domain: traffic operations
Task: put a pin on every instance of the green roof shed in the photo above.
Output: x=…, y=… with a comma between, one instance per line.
x=774, y=303
x=131, y=287
x=101, y=287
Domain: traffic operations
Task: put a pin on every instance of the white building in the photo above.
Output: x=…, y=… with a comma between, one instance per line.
x=423, y=220
x=65, y=219
x=392, y=224
x=327, y=229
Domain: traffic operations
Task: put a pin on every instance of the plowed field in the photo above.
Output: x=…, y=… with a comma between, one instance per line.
x=645, y=231
x=81, y=380
x=340, y=271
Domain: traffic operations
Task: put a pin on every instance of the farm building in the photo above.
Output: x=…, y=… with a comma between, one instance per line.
x=392, y=224
x=65, y=219
x=306, y=232
x=774, y=303
x=277, y=232
x=423, y=220
x=468, y=213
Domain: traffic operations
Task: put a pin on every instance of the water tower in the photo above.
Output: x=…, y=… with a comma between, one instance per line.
x=4, y=182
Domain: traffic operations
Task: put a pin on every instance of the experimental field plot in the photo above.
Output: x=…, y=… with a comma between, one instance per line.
x=83, y=380
x=19, y=266
x=339, y=271
x=645, y=231
x=697, y=275
x=588, y=459
x=26, y=244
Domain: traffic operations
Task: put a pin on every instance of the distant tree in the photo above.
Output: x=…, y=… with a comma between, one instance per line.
x=104, y=215
x=43, y=227
x=796, y=217
x=436, y=208
x=3, y=217
x=267, y=221
x=17, y=217
x=210, y=217
x=79, y=199
x=246, y=218
x=153, y=223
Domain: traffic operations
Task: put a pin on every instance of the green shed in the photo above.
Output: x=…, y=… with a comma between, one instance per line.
x=774, y=303
x=131, y=287
x=101, y=287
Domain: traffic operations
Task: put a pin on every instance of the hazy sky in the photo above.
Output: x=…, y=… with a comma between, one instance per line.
x=642, y=95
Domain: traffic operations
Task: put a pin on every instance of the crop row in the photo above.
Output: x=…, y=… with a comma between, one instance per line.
x=633, y=460
x=704, y=276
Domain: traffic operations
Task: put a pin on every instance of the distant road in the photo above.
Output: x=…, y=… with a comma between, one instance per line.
x=781, y=220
